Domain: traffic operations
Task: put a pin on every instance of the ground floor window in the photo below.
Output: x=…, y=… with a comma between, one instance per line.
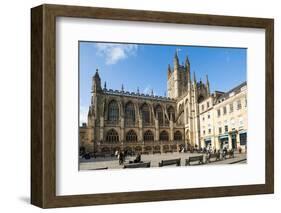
x=207, y=143
x=223, y=142
x=243, y=138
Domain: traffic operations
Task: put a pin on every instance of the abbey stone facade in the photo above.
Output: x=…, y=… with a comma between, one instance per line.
x=188, y=117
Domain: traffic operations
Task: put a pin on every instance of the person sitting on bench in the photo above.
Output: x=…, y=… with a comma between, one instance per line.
x=138, y=158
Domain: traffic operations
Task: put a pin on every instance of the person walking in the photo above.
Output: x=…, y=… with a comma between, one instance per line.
x=116, y=153
x=121, y=158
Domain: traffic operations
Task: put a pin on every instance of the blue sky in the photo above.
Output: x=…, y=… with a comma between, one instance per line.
x=145, y=66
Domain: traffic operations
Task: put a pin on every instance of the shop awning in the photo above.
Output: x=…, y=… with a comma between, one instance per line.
x=223, y=136
x=242, y=131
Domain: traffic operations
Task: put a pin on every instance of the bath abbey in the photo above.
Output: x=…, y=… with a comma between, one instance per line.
x=190, y=116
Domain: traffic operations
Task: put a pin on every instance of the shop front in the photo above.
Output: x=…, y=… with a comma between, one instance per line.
x=243, y=139
x=208, y=142
x=223, y=139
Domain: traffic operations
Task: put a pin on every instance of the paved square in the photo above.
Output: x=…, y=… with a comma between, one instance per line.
x=113, y=163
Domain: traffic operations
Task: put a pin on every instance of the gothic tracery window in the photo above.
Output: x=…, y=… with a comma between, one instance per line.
x=171, y=113
x=160, y=115
x=112, y=136
x=177, y=136
x=164, y=136
x=145, y=114
x=131, y=136
x=129, y=113
x=113, y=111
x=148, y=136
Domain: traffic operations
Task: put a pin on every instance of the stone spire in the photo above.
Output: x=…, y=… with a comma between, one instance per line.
x=122, y=88
x=187, y=68
x=176, y=60
x=169, y=71
x=96, y=82
x=89, y=112
x=187, y=63
x=97, y=76
x=104, y=87
x=208, y=84
x=194, y=78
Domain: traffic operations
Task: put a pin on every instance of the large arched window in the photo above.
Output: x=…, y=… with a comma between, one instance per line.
x=129, y=113
x=113, y=111
x=112, y=136
x=131, y=136
x=177, y=136
x=171, y=113
x=145, y=114
x=148, y=136
x=164, y=136
x=160, y=115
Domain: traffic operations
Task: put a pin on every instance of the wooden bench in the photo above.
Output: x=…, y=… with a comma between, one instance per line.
x=170, y=162
x=101, y=168
x=156, y=152
x=198, y=158
x=213, y=155
x=137, y=165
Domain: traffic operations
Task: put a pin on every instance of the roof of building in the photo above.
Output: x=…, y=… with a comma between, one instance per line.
x=137, y=95
x=235, y=90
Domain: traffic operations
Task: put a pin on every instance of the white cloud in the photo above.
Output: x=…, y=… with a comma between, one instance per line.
x=116, y=52
x=83, y=115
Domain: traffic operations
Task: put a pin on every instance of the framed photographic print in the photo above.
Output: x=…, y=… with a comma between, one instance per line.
x=136, y=106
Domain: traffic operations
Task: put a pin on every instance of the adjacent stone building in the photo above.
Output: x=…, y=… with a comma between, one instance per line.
x=223, y=119
x=190, y=116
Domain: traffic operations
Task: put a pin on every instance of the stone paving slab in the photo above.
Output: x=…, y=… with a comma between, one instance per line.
x=113, y=163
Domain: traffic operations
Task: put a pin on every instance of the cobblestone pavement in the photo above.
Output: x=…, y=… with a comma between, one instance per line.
x=112, y=162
